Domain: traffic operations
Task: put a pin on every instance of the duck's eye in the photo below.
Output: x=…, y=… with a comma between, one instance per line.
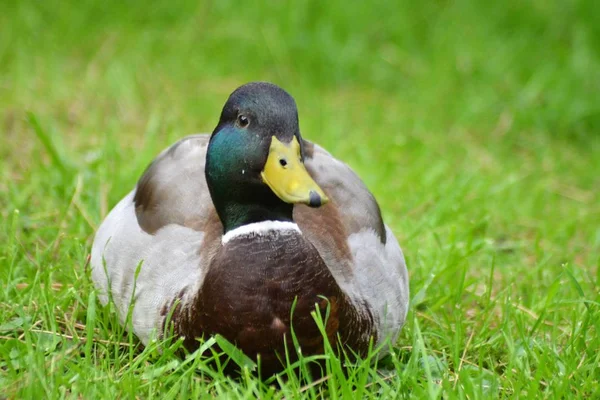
x=242, y=121
x=282, y=162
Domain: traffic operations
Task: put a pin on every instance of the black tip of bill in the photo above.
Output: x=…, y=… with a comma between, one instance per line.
x=314, y=200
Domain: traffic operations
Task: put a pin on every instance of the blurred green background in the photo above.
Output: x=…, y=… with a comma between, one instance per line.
x=498, y=87
x=476, y=125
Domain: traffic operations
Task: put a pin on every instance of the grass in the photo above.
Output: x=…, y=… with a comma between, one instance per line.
x=475, y=125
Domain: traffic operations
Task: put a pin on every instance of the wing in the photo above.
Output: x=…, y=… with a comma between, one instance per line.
x=158, y=232
x=361, y=251
x=173, y=188
x=360, y=209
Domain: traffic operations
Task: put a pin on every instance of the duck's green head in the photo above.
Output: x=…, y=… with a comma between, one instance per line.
x=254, y=164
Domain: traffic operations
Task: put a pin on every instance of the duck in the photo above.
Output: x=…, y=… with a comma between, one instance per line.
x=246, y=233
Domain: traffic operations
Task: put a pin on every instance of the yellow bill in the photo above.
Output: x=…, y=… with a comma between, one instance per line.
x=287, y=176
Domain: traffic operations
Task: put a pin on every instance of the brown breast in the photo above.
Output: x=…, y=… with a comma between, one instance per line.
x=249, y=293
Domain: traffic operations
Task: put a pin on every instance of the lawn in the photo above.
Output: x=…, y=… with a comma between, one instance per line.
x=476, y=126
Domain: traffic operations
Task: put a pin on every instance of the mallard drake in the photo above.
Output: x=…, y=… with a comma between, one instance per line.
x=225, y=233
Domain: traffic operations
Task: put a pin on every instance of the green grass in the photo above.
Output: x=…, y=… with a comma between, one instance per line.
x=477, y=127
